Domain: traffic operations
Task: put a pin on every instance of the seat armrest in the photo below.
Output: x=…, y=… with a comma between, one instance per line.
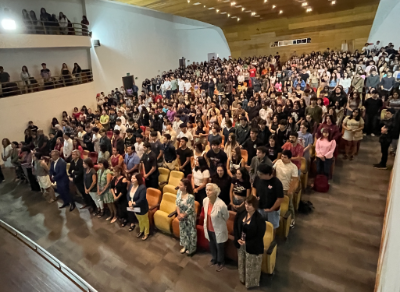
x=172, y=214
x=287, y=214
x=271, y=248
x=163, y=183
x=153, y=207
x=231, y=237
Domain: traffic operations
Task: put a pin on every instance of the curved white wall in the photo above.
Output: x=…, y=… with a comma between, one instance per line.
x=144, y=42
x=385, y=26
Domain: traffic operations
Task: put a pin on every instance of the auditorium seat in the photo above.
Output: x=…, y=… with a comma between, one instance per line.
x=162, y=220
x=286, y=217
x=304, y=173
x=270, y=249
x=231, y=251
x=163, y=177
x=175, y=222
x=245, y=156
x=173, y=181
x=153, y=197
x=202, y=241
x=93, y=156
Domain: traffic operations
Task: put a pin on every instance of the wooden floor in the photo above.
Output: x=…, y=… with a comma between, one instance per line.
x=335, y=249
x=22, y=269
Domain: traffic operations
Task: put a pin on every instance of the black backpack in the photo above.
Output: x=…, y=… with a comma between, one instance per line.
x=305, y=207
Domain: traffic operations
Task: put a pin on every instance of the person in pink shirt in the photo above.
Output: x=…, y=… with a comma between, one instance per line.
x=324, y=148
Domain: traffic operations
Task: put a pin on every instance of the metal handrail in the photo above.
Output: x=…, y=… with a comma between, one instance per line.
x=39, y=84
x=81, y=283
x=51, y=27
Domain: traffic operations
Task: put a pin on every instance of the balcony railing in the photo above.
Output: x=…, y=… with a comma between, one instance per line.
x=52, y=28
x=38, y=84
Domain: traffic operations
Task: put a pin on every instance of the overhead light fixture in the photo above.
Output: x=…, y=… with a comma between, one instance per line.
x=281, y=11
x=217, y=10
x=197, y=3
x=243, y=8
x=233, y=3
x=211, y=8
x=253, y=13
x=309, y=9
x=229, y=15
x=238, y=19
x=8, y=24
x=265, y=1
x=304, y=4
x=204, y=6
x=188, y=1
x=273, y=6
x=333, y=2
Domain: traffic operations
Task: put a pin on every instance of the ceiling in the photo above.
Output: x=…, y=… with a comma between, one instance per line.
x=262, y=9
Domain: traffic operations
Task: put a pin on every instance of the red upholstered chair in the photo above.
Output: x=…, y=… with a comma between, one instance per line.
x=93, y=156
x=109, y=134
x=143, y=128
x=202, y=241
x=230, y=248
x=153, y=197
x=175, y=222
x=96, y=167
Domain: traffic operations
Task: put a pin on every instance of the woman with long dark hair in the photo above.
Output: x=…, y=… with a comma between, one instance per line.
x=119, y=189
x=234, y=162
x=136, y=197
x=26, y=164
x=353, y=134
x=186, y=214
x=240, y=189
x=324, y=151
x=200, y=176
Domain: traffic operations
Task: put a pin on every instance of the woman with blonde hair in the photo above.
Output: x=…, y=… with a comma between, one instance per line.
x=215, y=230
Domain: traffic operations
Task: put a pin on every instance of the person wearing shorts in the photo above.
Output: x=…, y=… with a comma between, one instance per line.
x=41, y=170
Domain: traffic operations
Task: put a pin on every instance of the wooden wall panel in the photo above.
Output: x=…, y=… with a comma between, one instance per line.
x=325, y=30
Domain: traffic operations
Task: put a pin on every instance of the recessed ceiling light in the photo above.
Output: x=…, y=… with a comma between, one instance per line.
x=217, y=10
x=233, y=3
x=243, y=9
x=197, y=3
x=188, y=1
x=229, y=15
x=253, y=13
x=304, y=4
x=211, y=8
x=333, y=2
x=281, y=11
x=309, y=9
x=273, y=6
x=204, y=6
x=265, y=1
x=238, y=19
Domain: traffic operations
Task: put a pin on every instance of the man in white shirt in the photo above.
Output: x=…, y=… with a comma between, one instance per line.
x=68, y=147
x=188, y=85
x=169, y=130
x=167, y=85
x=139, y=146
x=81, y=133
x=121, y=116
x=288, y=174
x=181, y=85
x=185, y=133
x=119, y=126
x=176, y=123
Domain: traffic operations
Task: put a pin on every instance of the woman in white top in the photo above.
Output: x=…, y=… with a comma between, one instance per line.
x=25, y=78
x=63, y=23
x=234, y=162
x=353, y=134
x=227, y=117
x=345, y=82
x=200, y=176
x=6, y=155
x=96, y=140
x=230, y=145
x=215, y=230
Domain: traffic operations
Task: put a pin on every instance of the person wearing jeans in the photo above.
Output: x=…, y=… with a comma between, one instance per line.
x=215, y=230
x=324, y=148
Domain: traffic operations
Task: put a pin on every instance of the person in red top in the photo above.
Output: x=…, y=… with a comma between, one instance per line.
x=252, y=73
x=158, y=96
x=296, y=148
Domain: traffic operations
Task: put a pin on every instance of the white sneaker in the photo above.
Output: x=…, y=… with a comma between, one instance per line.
x=372, y=134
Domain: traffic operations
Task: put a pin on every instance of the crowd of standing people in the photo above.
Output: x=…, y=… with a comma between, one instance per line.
x=240, y=130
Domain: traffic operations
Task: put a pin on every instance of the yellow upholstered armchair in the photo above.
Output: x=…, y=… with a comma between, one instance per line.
x=286, y=218
x=163, y=177
x=270, y=249
x=162, y=217
x=304, y=173
x=173, y=181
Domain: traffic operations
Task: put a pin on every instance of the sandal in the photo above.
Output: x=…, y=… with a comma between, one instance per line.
x=145, y=237
x=132, y=227
x=183, y=250
x=109, y=218
x=139, y=234
x=113, y=220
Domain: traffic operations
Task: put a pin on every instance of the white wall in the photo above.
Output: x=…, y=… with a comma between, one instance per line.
x=13, y=59
x=144, y=42
x=41, y=107
x=24, y=41
x=388, y=279
x=385, y=26
x=73, y=9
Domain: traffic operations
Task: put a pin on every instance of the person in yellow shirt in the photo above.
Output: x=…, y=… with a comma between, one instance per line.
x=105, y=120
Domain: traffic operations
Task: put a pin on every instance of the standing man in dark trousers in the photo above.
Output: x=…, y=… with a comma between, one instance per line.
x=75, y=173
x=372, y=107
x=58, y=173
x=150, y=168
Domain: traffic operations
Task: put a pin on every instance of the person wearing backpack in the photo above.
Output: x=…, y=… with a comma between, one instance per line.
x=324, y=148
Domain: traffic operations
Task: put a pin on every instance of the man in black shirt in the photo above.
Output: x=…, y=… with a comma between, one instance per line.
x=304, y=75
x=156, y=147
x=104, y=140
x=130, y=140
x=88, y=139
x=150, y=169
x=216, y=156
x=251, y=144
x=264, y=133
x=282, y=133
x=269, y=190
x=184, y=154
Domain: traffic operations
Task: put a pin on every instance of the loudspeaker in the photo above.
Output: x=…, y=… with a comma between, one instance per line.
x=128, y=82
x=96, y=43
